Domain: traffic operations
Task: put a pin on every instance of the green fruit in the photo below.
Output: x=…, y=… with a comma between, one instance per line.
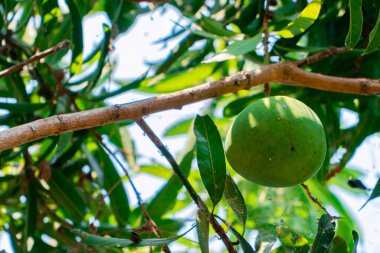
x=277, y=142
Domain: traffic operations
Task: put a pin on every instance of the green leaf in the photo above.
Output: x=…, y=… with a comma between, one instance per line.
x=374, y=37
x=303, y=21
x=125, y=87
x=237, y=105
x=16, y=84
x=7, y=178
x=77, y=40
x=356, y=23
x=67, y=196
x=103, y=56
x=180, y=80
x=27, y=11
x=235, y=200
x=167, y=195
x=374, y=194
x=355, y=235
x=112, y=182
x=202, y=221
x=325, y=234
x=122, y=13
x=13, y=187
x=22, y=107
x=63, y=141
x=210, y=157
x=245, y=246
x=178, y=128
x=180, y=50
x=157, y=170
x=215, y=27
x=338, y=244
x=95, y=240
x=343, y=241
x=236, y=49
x=323, y=194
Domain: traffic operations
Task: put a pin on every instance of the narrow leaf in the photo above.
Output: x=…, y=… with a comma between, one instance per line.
x=202, y=221
x=180, y=80
x=157, y=171
x=303, y=21
x=356, y=23
x=22, y=107
x=63, y=141
x=67, y=196
x=374, y=37
x=355, y=235
x=215, y=27
x=76, y=19
x=235, y=200
x=375, y=193
x=113, y=184
x=210, y=157
x=103, y=57
x=343, y=241
x=180, y=50
x=325, y=234
x=180, y=127
x=338, y=244
x=95, y=240
x=236, y=49
x=13, y=187
x=167, y=195
x=128, y=146
x=245, y=246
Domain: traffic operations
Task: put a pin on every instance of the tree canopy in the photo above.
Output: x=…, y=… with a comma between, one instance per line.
x=68, y=161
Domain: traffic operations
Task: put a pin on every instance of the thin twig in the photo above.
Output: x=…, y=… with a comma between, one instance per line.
x=266, y=42
x=177, y=170
x=150, y=223
x=64, y=44
x=321, y=56
x=314, y=199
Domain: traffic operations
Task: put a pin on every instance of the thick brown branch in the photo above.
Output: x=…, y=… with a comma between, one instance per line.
x=36, y=57
x=362, y=86
x=287, y=73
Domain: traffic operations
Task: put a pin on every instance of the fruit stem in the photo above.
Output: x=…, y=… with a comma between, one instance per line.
x=314, y=199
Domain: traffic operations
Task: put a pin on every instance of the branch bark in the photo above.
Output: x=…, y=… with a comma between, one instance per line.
x=193, y=194
x=286, y=73
x=64, y=44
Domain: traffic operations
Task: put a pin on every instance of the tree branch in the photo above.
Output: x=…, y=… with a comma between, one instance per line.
x=149, y=221
x=265, y=43
x=321, y=55
x=36, y=57
x=286, y=73
x=193, y=194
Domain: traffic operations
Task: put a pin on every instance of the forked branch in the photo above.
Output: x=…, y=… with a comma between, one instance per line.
x=286, y=73
x=193, y=194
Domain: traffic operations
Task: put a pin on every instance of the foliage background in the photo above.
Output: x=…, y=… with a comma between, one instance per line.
x=72, y=164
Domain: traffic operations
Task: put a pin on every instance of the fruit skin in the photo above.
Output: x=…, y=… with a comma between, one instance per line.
x=277, y=142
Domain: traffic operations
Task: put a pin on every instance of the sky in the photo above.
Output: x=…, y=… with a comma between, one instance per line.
x=135, y=48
